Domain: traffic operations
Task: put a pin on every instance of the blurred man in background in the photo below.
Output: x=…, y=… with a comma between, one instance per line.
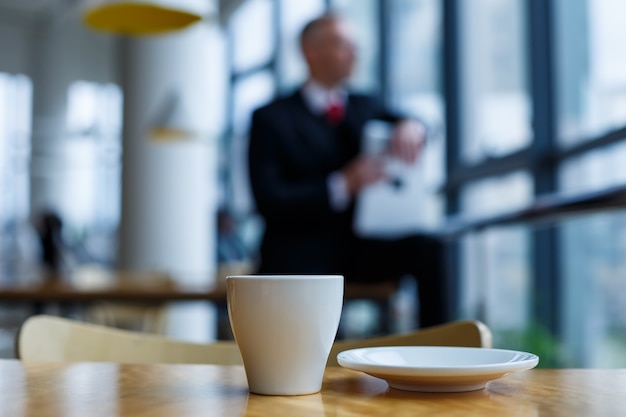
x=307, y=169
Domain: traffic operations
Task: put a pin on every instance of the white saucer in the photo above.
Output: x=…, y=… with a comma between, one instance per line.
x=436, y=368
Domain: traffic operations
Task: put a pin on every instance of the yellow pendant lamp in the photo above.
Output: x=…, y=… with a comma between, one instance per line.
x=144, y=17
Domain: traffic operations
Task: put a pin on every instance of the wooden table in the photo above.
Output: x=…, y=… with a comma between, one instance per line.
x=66, y=292
x=146, y=291
x=103, y=389
x=123, y=287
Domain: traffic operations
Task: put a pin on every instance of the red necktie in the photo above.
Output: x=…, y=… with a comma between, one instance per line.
x=335, y=112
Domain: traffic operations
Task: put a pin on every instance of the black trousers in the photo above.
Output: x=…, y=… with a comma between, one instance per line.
x=421, y=256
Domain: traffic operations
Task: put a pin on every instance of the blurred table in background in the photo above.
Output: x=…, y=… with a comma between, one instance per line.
x=122, y=288
x=135, y=300
x=108, y=293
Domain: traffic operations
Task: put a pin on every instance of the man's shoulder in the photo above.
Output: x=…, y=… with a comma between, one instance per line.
x=360, y=97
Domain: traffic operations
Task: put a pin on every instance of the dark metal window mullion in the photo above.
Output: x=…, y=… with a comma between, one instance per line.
x=276, y=25
x=225, y=175
x=384, y=60
x=452, y=96
x=545, y=246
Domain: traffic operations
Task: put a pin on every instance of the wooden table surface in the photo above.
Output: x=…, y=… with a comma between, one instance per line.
x=114, y=291
x=104, y=389
x=124, y=289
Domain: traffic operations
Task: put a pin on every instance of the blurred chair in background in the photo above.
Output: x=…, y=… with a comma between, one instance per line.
x=53, y=339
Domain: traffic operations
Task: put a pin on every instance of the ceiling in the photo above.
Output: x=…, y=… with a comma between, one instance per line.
x=37, y=8
x=51, y=9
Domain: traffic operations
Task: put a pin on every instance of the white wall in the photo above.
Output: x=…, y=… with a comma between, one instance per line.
x=15, y=44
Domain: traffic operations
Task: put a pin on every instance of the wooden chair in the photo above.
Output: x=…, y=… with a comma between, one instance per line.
x=466, y=333
x=54, y=339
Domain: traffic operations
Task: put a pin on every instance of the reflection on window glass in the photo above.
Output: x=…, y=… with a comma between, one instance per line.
x=91, y=191
x=593, y=265
x=594, y=290
x=591, y=77
x=252, y=29
x=362, y=16
x=496, y=119
x=414, y=83
x=94, y=110
x=495, y=276
x=15, y=109
x=594, y=170
x=497, y=195
x=495, y=281
x=250, y=93
x=414, y=58
x=15, y=134
x=293, y=16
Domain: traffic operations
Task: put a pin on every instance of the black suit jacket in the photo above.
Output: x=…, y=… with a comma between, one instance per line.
x=291, y=154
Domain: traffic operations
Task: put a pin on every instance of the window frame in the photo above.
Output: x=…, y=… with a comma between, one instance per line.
x=542, y=157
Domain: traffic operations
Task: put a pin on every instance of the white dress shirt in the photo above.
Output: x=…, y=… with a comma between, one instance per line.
x=317, y=99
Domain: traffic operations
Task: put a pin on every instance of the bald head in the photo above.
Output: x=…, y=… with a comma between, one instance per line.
x=312, y=31
x=328, y=48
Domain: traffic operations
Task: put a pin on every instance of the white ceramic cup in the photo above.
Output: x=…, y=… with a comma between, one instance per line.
x=284, y=326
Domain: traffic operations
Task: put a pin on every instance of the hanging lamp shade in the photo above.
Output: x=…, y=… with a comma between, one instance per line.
x=143, y=17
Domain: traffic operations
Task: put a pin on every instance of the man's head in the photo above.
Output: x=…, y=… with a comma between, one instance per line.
x=329, y=51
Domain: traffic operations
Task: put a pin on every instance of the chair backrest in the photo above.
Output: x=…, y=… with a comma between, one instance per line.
x=54, y=339
x=465, y=333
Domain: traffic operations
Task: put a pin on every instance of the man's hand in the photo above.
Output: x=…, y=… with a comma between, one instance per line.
x=362, y=171
x=408, y=140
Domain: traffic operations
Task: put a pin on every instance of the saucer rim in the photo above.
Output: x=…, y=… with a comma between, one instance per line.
x=349, y=359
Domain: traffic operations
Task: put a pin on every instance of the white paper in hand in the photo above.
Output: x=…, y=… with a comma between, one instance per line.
x=391, y=208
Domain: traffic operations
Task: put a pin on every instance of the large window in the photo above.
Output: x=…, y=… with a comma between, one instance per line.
x=594, y=170
x=363, y=17
x=496, y=108
x=591, y=76
x=538, y=108
x=593, y=310
x=495, y=275
x=494, y=115
x=293, y=16
x=522, y=98
x=92, y=153
x=591, y=103
x=249, y=93
x=82, y=172
x=414, y=86
x=414, y=78
x=15, y=131
x=252, y=38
